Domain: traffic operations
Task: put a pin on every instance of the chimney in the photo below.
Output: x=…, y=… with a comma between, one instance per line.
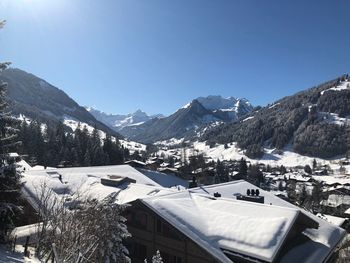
x=217, y=194
x=253, y=195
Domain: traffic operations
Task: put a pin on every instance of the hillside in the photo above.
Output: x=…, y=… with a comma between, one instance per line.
x=189, y=120
x=35, y=98
x=313, y=122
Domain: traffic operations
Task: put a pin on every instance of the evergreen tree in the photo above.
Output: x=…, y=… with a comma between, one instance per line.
x=243, y=168
x=280, y=186
x=9, y=179
x=221, y=172
x=316, y=196
x=307, y=169
x=283, y=169
x=303, y=195
x=255, y=176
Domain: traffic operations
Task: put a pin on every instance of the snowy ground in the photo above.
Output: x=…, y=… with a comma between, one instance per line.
x=74, y=124
x=7, y=256
x=342, y=86
x=133, y=146
x=333, y=118
x=287, y=157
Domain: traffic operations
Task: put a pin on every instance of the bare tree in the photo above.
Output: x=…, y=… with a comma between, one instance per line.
x=82, y=229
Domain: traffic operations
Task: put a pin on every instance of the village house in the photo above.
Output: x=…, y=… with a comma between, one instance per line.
x=212, y=223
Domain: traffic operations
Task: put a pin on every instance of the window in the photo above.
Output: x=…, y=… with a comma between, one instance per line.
x=168, y=258
x=140, y=220
x=140, y=251
x=167, y=230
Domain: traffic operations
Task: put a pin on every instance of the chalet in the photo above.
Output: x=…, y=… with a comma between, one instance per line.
x=136, y=164
x=195, y=226
x=335, y=220
x=202, y=224
x=321, y=172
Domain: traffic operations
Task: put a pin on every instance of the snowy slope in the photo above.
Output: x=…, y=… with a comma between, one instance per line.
x=287, y=157
x=225, y=104
x=345, y=85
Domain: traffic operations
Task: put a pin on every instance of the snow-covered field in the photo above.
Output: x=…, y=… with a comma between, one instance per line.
x=7, y=256
x=287, y=157
x=133, y=146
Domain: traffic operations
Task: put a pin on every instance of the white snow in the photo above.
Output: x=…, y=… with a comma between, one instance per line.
x=7, y=256
x=333, y=118
x=166, y=180
x=329, y=180
x=335, y=220
x=186, y=106
x=259, y=229
x=133, y=146
x=170, y=142
x=343, y=86
x=86, y=181
x=248, y=118
x=271, y=156
x=74, y=124
x=274, y=105
x=321, y=240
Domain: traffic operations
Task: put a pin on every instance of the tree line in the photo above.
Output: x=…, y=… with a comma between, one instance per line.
x=57, y=146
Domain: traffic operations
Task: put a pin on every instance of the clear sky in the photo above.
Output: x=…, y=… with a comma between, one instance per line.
x=157, y=55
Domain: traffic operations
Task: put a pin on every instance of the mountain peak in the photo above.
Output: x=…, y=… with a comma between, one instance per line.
x=119, y=121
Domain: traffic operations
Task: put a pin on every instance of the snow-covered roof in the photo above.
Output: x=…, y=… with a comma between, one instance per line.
x=13, y=155
x=164, y=179
x=87, y=181
x=136, y=162
x=78, y=175
x=319, y=242
x=335, y=200
x=333, y=179
x=218, y=225
x=335, y=220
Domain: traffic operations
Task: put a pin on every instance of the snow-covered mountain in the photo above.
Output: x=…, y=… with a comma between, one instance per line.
x=314, y=122
x=36, y=99
x=189, y=120
x=224, y=104
x=119, y=121
x=228, y=108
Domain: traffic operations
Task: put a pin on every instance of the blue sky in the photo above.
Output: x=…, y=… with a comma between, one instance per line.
x=157, y=55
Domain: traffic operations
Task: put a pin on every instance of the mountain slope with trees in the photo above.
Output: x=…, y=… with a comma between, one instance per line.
x=38, y=100
x=10, y=198
x=314, y=122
